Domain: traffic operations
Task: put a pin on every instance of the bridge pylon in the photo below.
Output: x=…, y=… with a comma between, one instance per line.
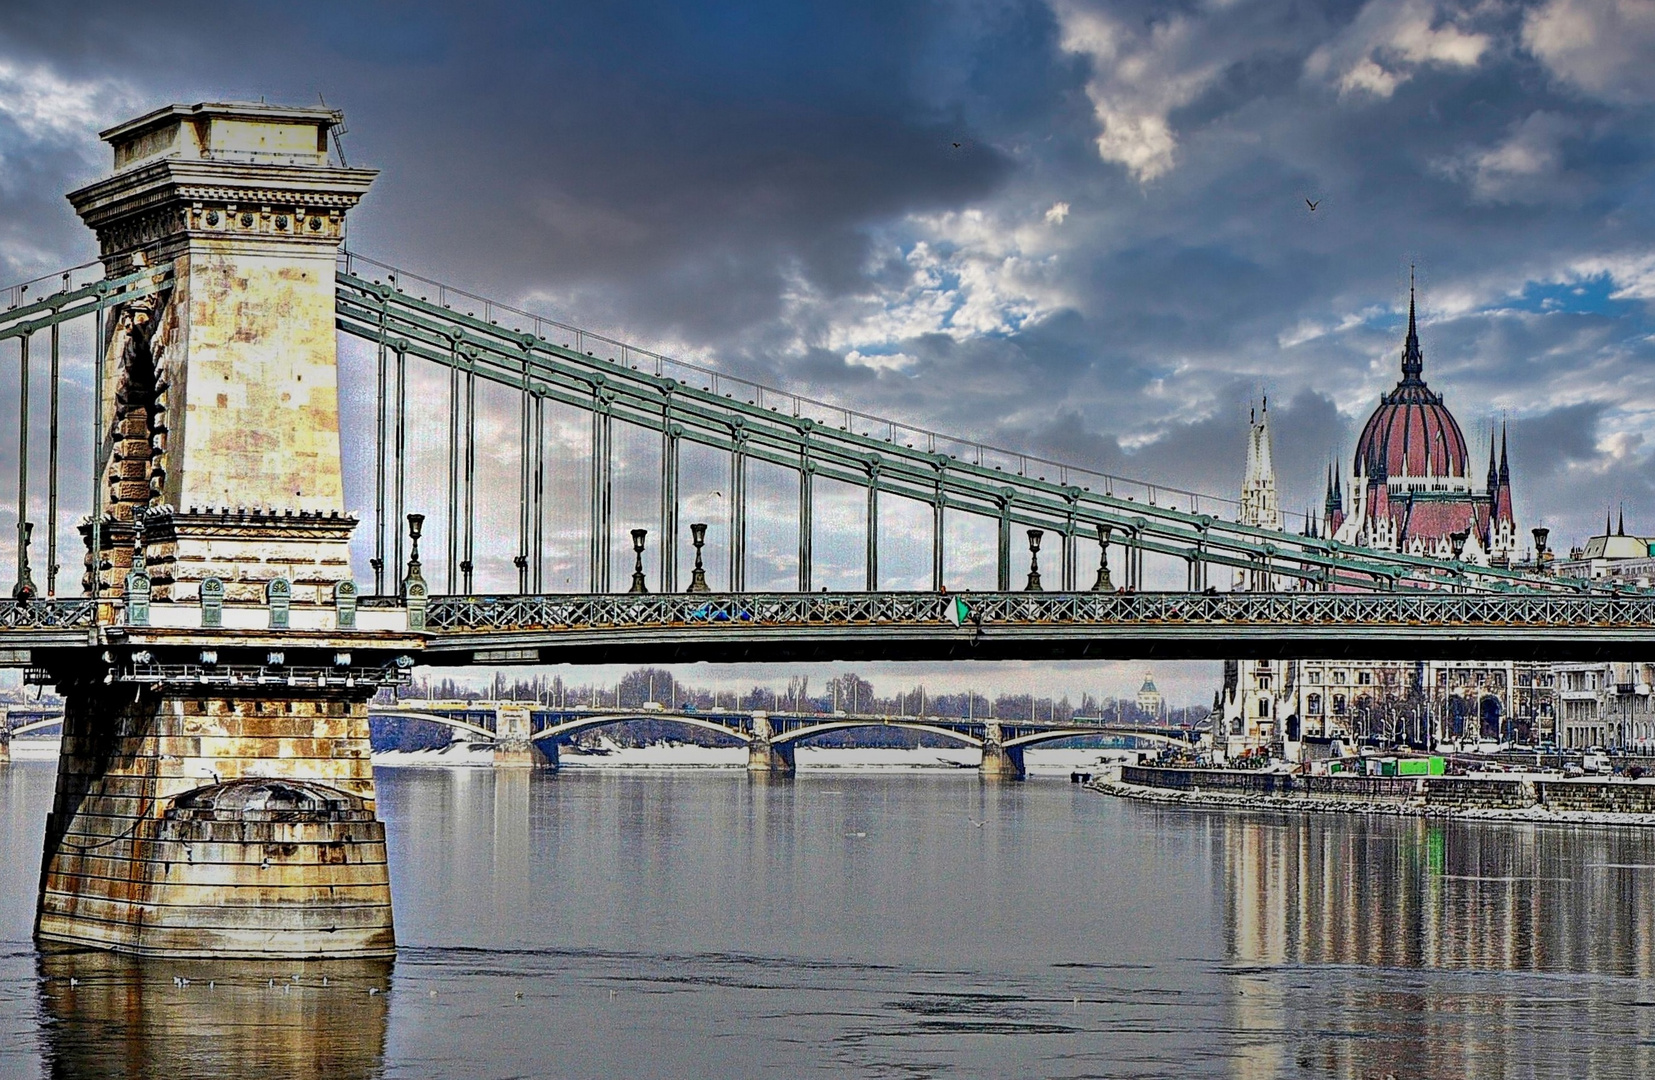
x=215, y=795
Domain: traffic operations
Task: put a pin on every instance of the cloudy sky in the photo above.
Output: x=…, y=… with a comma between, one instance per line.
x=1072, y=226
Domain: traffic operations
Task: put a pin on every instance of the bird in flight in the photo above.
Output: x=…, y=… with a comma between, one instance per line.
x=1313, y=205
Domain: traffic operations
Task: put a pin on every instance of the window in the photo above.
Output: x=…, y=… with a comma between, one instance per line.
x=1364, y=678
x=1313, y=704
x=1338, y=704
x=1339, y=678
x=1264, y=706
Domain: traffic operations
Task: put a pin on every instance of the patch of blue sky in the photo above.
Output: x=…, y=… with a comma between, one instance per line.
x=1591, y=295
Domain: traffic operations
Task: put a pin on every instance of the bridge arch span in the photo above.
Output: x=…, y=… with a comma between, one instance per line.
x=587, y=723
x=1035, y=738
x=37, y=725
x=437, y=718
x=800, y=734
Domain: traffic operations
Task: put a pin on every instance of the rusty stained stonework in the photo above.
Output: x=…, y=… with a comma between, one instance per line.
x=215, y=795
x=211, y=825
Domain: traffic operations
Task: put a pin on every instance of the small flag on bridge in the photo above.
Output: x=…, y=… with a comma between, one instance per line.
x=955, y=611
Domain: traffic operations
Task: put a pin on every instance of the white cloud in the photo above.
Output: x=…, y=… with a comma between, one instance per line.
x=1138, y=79
x=1526, y=167
x=1390, y=40
x=1057, y=213
x=967, y=274
x=44, y=105
x=1603, y=47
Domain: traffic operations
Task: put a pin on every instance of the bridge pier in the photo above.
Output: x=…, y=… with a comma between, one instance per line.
x=197, y=823
x=513, y=749
x=765, y=756
x=5, y=739
x=1000, y=762
x=769, y=758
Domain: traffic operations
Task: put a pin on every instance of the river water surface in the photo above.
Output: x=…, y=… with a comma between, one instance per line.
x=897, y=924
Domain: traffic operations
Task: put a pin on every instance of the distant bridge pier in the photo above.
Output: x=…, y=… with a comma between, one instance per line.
x=765, y=756
x=1000, y=762
x=513, y=746
x=5, y=737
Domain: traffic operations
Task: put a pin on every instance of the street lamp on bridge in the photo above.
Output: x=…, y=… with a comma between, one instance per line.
x=1034, y=560
x=638, y=585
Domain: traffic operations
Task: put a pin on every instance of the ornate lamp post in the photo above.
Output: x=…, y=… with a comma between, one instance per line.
x=1103, y=584
x=698, y=575
x=1034, y=561
x=416, y=525
x=638, y=585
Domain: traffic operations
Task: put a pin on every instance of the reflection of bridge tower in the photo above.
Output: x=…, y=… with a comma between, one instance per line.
x=215, y=793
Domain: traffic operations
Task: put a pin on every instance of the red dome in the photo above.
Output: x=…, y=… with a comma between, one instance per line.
x=1412, y=433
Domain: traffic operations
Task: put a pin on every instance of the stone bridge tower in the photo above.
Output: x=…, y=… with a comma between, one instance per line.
x=215, y=795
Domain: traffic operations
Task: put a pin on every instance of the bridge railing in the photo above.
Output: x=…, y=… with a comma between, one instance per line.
x=450, y=614
x=48, y=614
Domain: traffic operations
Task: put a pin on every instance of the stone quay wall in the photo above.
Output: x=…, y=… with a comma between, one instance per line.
x=1598, y=797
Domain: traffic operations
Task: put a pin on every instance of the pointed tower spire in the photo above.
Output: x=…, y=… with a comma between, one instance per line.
x=1620, y=526
x=1606, y=521
x=1505, y=469
x=1493, y=472
x=1413, y=363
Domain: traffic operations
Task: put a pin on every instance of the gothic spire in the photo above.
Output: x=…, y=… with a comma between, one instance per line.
x=1493, y=472
x=1413, y=364
x=1505, y=470
x=1620, y=527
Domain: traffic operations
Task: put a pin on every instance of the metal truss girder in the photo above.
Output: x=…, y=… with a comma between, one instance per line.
x=61, y=307
x=378, y=312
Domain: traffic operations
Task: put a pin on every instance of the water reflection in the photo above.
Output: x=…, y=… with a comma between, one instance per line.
x=119, y=1017
x=1411, y=948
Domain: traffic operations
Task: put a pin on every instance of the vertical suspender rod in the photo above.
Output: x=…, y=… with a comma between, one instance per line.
x=380, y=524
x=807, y=492
x=738, y=515
x=97, y=449
x=873, y=528
x=23, y=457
x=938, y=532
x=669, y=502
x=399, y=464
x=52, y=468
x=453, y=477
x=467, y=566
x=539, y=493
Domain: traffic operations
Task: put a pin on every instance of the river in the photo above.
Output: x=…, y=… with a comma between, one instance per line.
x=653, y=923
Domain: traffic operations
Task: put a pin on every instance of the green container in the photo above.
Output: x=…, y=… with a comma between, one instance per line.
x=1387, y=767
x=1413, y=767
x=1439, y=767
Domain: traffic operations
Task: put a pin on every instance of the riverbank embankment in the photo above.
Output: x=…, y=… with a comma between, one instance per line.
x=1515, y=797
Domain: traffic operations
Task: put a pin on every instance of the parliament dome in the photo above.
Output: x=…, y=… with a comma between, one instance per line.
x=1412, y=433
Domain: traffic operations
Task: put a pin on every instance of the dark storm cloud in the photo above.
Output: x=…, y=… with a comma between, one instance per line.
x=1114, y=261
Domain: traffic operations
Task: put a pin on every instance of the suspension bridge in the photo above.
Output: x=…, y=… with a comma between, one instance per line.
x=219, y=653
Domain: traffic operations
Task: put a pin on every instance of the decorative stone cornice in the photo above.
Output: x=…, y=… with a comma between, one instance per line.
x=170, y=202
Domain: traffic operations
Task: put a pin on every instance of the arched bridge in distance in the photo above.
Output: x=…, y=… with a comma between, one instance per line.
x=770, y=737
